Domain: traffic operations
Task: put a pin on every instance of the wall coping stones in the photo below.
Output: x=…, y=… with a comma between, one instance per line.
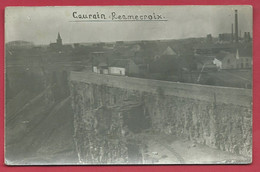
x=214, y=94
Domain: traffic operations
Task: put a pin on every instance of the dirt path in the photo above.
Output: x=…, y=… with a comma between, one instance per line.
x=168, y=149
x=173, y=151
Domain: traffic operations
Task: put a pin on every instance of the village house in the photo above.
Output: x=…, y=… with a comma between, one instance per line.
x=101, y=68
x=123, y=67
x=99, y=62
x=165, y=61
x=166, y=52
x=102, y=64
x=240, y=59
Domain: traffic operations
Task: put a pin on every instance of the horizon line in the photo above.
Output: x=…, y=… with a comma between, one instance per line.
x=112, y=41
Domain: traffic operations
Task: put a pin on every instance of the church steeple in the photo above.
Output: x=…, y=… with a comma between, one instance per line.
x=59, y=40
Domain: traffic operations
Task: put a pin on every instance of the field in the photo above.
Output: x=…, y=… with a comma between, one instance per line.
x=226, y=78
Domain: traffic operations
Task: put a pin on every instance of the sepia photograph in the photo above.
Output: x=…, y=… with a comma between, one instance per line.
x=128, y=85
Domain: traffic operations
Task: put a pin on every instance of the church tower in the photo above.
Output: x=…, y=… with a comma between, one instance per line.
x=59, y=40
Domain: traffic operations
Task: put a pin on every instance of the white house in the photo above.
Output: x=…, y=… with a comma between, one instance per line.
x=218, y=63
x=116, y=70
x=118, y=67
x=101, y=68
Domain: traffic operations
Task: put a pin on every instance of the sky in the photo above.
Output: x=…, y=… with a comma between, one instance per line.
x=42, y=24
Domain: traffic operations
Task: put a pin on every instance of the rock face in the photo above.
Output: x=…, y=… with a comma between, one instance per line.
x=223, y=126
x=104, y=124
x=106, y=116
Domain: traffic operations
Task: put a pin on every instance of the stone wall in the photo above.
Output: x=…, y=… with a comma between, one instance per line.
x=218, y=117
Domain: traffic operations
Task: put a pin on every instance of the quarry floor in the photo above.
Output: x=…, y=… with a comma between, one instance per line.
x=40, y=136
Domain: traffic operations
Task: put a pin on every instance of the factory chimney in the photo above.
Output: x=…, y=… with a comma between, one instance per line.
x=232, y=33
x=236, y=27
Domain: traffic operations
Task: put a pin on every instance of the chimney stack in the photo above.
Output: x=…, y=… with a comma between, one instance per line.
x=236, y=27
x=232, y=33
x=249, y=36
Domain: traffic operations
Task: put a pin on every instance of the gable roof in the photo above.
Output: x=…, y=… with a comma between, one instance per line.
x=241, y=52
x=102, y=64
x=169, y=51
x=119, y=63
